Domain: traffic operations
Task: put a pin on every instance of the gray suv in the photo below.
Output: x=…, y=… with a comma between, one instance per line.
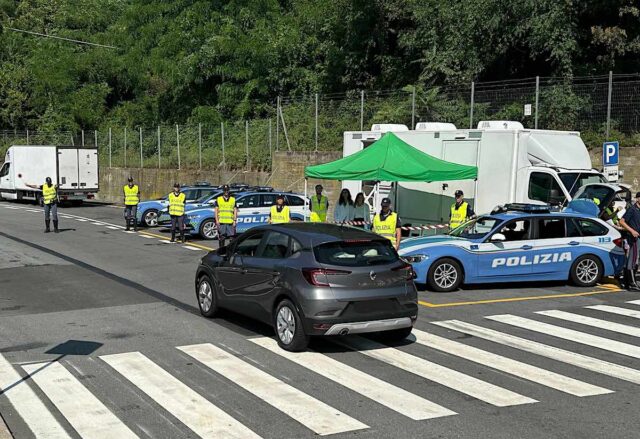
x=308, y=280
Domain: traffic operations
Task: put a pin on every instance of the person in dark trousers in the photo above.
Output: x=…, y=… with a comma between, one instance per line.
x=631, y=223
x=176, y=211
x=226, y=213
x=460, y=211
x=131, y=200
x=50, y=202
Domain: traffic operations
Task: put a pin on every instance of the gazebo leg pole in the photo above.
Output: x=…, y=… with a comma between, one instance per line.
x=306, y=201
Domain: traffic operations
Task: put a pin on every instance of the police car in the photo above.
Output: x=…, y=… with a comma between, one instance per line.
x=253, y=210
x=148, y=211
x=519, y=243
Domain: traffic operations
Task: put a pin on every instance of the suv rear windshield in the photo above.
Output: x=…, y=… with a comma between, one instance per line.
x=356, y=253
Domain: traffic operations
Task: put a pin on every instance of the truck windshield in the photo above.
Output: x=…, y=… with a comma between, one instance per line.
x=476, y=228
x=575, y=180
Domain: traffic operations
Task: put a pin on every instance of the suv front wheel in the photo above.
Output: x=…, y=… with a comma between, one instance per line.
x=288, y=326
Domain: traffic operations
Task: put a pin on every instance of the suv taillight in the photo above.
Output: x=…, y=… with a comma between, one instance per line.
x=408, y=269
x=619, y=242
x=318, y=276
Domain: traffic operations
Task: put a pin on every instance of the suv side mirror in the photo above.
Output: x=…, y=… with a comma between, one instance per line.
x=498, y=237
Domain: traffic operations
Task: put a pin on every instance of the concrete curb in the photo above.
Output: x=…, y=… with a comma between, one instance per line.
x=4, y=430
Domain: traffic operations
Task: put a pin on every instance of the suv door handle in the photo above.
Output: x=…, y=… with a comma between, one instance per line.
x=254, y=213
x=574, y=243
x=526, y=247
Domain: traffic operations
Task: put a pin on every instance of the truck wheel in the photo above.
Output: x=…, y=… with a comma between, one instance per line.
x=150, y=218
x=288, y=326
x=586, y=271
x=208, y=229
x=444, y=275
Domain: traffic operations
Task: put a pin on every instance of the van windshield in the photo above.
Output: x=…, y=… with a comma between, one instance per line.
x=575, y=180
x=476, y=228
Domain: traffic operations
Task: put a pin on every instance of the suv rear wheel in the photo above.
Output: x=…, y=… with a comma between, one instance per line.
x=288, y=326
x=586, y=271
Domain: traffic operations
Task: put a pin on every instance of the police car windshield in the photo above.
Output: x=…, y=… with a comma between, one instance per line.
x=575, y=180
x=476, y=228
x=207, y=197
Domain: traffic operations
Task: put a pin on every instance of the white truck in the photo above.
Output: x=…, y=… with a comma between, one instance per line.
x=73, y=169
x=515, y=165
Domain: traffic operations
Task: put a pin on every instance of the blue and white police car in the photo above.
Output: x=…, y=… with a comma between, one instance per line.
x=253, y=210
x=519, y=243
x=149, y=210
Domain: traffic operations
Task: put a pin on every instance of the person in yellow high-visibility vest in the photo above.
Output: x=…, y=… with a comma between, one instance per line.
x=226, y=213
x=319, y=206
x=50, y=203
x=460, y=211
x=279, y=212
x=131, y=199
x=176, y=211
x=386, y=223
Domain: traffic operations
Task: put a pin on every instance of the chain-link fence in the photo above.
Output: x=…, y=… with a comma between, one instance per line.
x=601, y=107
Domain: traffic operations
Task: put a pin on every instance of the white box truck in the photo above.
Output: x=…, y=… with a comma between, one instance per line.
x=515, y=165
x=73, y=169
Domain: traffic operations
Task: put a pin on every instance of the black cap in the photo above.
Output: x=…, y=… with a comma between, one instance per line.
x=280, y=197
x=130, y=178
x=176, y=185
x=459, y=193
x=226, y=188
x=318, y=186
x=637, y=194
x=48, y=180
x=386, y=202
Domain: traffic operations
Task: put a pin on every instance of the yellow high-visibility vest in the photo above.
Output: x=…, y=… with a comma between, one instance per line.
x=176, y=204
x=318, y=209
x=459, y=215
x=131, y=195
x=225, y=209
x=280, y=217
x=386, y=228
x=49, y=193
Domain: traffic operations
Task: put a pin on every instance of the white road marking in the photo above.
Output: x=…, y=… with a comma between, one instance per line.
x=442, y=375
x=569, y=334
x=193, y=410
x=616, y=310
x=113, y=227
x=579, y=360
x=80, y=219
x=27, y=404
x=128, y=231
x=11, y=207
x=590, y=321
x=166, y=241
x=504, y=364
x=379, y=391
x=86, y=414
x=192, y=248
x=97, y=224
x=313, y=414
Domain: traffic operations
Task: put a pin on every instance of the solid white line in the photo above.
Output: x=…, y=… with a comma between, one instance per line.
x=27, y=404
x=313, y=414
x=86, y=414
x=616, y=310
x=579, y=360
x=442, y=375
x=97, y=224
x=379, y=391
x=569, y=334
x=192, y=248
x=80, y=219
x=590, y=321
x=507, y=365
x=113, y=227
x=194, y=411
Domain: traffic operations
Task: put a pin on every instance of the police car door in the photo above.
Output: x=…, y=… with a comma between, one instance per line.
x=506, y=253
x=248, y=212
x=558, y=243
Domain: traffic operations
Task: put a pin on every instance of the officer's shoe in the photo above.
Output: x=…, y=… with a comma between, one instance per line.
x=47, y=227
x=184, y=239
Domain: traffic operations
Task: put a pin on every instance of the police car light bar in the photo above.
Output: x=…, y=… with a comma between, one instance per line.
x=522, y=207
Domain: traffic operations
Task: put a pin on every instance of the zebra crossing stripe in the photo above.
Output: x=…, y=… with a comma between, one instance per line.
x=569, y=334
x=383, y=393
x=189, y=407
x=616, y=310
x=27, y=404
x=453, y=379
x=634, y=302
x=86, y=414
x=313, y=414
x=191, y=247
x=507, y=365
x=634, y=331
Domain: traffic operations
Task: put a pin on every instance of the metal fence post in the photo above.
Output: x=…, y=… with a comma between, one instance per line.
x=535, y=120
x=246, y=143
x=316, y=122
x=606, y=137
x=270, y=153
x=178, y=144
x=361, y=110
x=224, y=161
x=141, y=158
x=109, y=147
x=28, y=137
x=200, y=146
x=95, y=138
x=82, y=131
x=159, y=147
x=278, y=124
x=125, y=147
x=473, y=91
x=413, y=108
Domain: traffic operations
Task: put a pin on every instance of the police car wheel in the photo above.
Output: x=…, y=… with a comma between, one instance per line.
x=288, y=326
x=207, y=298
x=444, y=275
x=208, y=230
x=586, y=271
x=150, y=218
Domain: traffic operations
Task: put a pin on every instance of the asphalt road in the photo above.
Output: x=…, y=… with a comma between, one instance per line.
x=100, y=337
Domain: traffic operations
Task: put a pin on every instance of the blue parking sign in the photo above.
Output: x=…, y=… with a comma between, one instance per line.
x=610, y=153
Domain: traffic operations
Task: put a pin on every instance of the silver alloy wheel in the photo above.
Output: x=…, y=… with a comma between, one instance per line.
x=151, y=218
x=445, y=275
x=587, y=271
x=286, y=324
x=209, y=230
x=205, y=296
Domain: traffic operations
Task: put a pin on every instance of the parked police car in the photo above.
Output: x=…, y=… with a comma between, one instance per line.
x=253, y=210
x=148, y=211
x=519, y=243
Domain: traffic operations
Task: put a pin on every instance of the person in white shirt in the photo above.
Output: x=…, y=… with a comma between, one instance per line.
x=343, y=211
x=361, y=210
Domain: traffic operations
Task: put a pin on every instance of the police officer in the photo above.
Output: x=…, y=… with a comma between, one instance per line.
x=387, y=223
x=279, y=212
x=176, y=211
x=226, y=215
x=631, y=223
x=131, y=200
x=460, y=211
x=50, y=199
x=319, y=206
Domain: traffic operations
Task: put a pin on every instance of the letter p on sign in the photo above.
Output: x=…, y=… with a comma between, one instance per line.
x=610, y=153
